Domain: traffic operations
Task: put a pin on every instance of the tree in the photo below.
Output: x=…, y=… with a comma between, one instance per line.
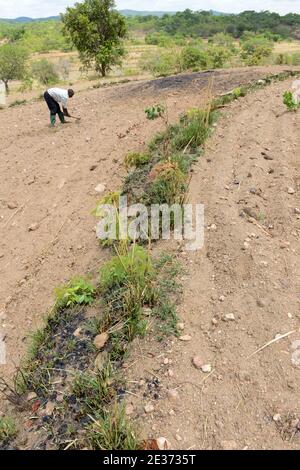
x=96, y=30
x=13, y=63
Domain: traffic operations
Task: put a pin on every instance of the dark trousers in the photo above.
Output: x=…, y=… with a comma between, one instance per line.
x=52, y=104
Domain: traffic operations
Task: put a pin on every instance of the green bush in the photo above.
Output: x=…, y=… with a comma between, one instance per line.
x=77, y=292
x=159, y=39
x=194, y=58
x=169, y=184
x=136, y=159
x=45, y=72
x=255, y=49
x=162, y=63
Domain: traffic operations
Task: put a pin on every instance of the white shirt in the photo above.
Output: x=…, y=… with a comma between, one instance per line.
x=59, y=95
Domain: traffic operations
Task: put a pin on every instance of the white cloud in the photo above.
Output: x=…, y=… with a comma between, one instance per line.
x=43, y=8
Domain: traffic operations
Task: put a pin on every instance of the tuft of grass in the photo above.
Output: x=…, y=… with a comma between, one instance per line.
x=169, y=184
x=126, y=284
x=8, y=429
x=136, y=160
x=111, y=219
x=94, y=389
x=78, y=291
x=110, y=430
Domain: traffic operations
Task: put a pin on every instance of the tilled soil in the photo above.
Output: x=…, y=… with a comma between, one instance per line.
x=240, y=291
x=48, y=180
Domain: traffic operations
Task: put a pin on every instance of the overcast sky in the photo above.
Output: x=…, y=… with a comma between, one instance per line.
x=43, y=8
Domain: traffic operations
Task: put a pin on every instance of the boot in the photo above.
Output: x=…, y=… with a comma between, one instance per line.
x=52, y=120
x=61, y=117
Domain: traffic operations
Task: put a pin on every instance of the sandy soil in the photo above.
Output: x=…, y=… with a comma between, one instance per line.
x=246, y=269
x=47, y=236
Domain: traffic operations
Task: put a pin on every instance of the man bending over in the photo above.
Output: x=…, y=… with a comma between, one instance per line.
x=53, y=98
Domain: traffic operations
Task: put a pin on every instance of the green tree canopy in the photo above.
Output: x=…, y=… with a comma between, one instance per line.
x=13, y=63
x=96, y=29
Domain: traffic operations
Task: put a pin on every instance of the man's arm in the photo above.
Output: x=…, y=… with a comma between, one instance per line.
x=66, y=112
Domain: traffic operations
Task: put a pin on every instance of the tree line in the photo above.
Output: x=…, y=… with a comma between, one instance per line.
x=206, y=24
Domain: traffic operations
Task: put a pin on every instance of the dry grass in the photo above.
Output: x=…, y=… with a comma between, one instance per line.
x=286, y=46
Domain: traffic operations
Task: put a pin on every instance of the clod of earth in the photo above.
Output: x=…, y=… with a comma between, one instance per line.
x=173, y=395
x=163, y=443
x=100, y=188
x=185, y=338
x=100, y=340
x=149, y=408
x=33, y=227
x=197, y=362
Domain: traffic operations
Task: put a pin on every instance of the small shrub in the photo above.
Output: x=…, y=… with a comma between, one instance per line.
x=169, y=184
x=26, y=85
x=62, y=68
x=255, y=49
x=162, y=63
x=44, y=71
x=136, y=160
x=77, y=292
x=193, y=129
x=194, y=58
x=290, y=103
x=155, y=112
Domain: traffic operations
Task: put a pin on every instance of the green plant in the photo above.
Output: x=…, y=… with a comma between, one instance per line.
x=154, y=112
x=44, y=71
x=194, y=58
x=169, y=184
x=255, y=48
x=111, y=198
x=136, y=159
x=77, y=292
x=193, y=129
x=126, y=284
x=8, y=428
x=134, y=266
x=27, y=84
x=289, y=101
x=162, y=63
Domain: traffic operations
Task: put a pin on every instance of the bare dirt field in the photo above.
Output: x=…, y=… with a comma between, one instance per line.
x=240, y=292
x=48, y=181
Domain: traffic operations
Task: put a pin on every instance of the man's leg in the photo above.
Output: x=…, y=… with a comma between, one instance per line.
x=61, y=116
x=52, y=120
x=52, y=105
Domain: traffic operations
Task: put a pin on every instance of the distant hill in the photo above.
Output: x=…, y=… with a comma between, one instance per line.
x=146, y=13
x=25, y=19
